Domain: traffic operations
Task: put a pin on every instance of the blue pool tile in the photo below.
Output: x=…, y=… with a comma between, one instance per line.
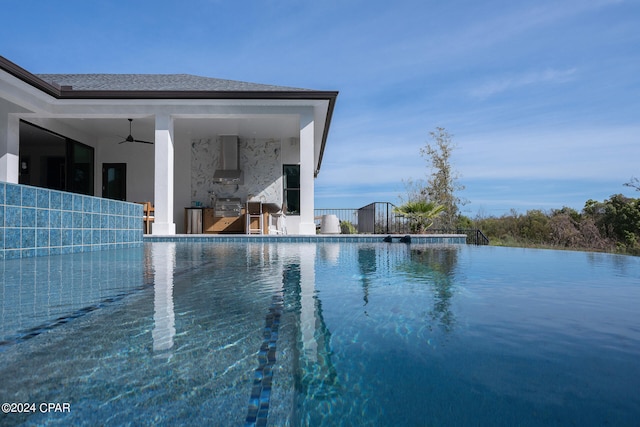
x=77, y=237
x=1, y=215
x=95, y=220
x=13, y=195
x=95, y=204
x=28, y=237
x=11, y=254
x=55, y=200
x=104, y=221
x=95, y=236
x=12, y=238
x=42, y=197
x=42, y=218
x=67, y=237
x=87, y=203
x=77, y=219
x=3, y=190
x=41, y=251
x=67, y=219
x=86, y=220
x=77, y=203
x=55, y=218
x=29, y=196
x=67, y=201
x=42, y=237
x=27, y=253
x=87, y=237
x=28, y=217
x=1, y=242
x=55, y=237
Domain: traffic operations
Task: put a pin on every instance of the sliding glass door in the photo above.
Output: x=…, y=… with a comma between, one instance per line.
x=53, y=161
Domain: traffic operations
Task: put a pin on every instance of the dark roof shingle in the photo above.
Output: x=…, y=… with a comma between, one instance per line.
x=157, y=82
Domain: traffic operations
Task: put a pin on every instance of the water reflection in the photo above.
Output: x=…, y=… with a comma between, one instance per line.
x=367, y=265
x=41, y=293
x=436, y=267
x=317, y=376
x=164, y=261
x=432, y=266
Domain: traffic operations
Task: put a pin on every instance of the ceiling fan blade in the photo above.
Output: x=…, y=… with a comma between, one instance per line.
x=130, y=138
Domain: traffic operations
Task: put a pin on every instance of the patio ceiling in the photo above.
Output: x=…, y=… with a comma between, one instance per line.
x=189, y=128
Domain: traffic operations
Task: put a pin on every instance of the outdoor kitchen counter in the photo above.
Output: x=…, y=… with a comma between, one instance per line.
x=222, y=224
x=199, y=220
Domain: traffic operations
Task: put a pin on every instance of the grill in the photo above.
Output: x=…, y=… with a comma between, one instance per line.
x=227, y=207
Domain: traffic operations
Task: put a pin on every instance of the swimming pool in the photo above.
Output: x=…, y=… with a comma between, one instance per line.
x=322, y=334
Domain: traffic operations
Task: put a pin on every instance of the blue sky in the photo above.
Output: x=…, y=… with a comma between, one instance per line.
x=542, y=97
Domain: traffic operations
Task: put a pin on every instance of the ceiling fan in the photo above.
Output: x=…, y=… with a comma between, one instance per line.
x=130, y=137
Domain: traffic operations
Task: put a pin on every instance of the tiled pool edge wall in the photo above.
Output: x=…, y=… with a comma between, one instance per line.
x=440, y=239
x=38, y=222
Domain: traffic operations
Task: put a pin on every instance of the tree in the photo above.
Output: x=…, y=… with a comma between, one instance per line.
x=420, y=212
x=633, y=183
x=443, y=180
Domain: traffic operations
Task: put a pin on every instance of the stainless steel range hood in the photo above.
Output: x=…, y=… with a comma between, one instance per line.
x=229, y=171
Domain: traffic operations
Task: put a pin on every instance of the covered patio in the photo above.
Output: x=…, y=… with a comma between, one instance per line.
x=168, y=152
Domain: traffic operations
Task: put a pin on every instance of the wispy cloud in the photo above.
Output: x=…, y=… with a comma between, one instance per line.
x=515, y=81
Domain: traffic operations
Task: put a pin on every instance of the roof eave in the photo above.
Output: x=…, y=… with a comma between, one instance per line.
x=29, y=78
x=66, y=93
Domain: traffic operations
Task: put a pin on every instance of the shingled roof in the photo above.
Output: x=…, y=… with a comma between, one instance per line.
x=157, y=82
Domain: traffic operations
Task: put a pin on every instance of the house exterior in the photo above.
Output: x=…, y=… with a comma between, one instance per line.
x=162, y=138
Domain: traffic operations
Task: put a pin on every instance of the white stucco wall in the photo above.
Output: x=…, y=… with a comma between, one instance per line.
x=140, y=167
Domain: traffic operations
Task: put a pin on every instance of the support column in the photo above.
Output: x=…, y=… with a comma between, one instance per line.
x=9, y=147
x=163, y=176
x=307, y=170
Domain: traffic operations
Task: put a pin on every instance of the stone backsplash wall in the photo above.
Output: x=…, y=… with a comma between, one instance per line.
x=260, y=161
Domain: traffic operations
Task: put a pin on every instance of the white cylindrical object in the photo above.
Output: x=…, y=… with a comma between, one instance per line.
x=330, y=225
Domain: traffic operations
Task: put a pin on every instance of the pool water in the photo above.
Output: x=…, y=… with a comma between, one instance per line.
x=322, y=334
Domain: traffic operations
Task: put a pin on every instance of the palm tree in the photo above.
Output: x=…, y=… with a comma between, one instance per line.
x=420, y=212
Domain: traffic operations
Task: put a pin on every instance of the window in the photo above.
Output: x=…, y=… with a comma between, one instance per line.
x=291, y=174
x=80, y=167
x=53, y=161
